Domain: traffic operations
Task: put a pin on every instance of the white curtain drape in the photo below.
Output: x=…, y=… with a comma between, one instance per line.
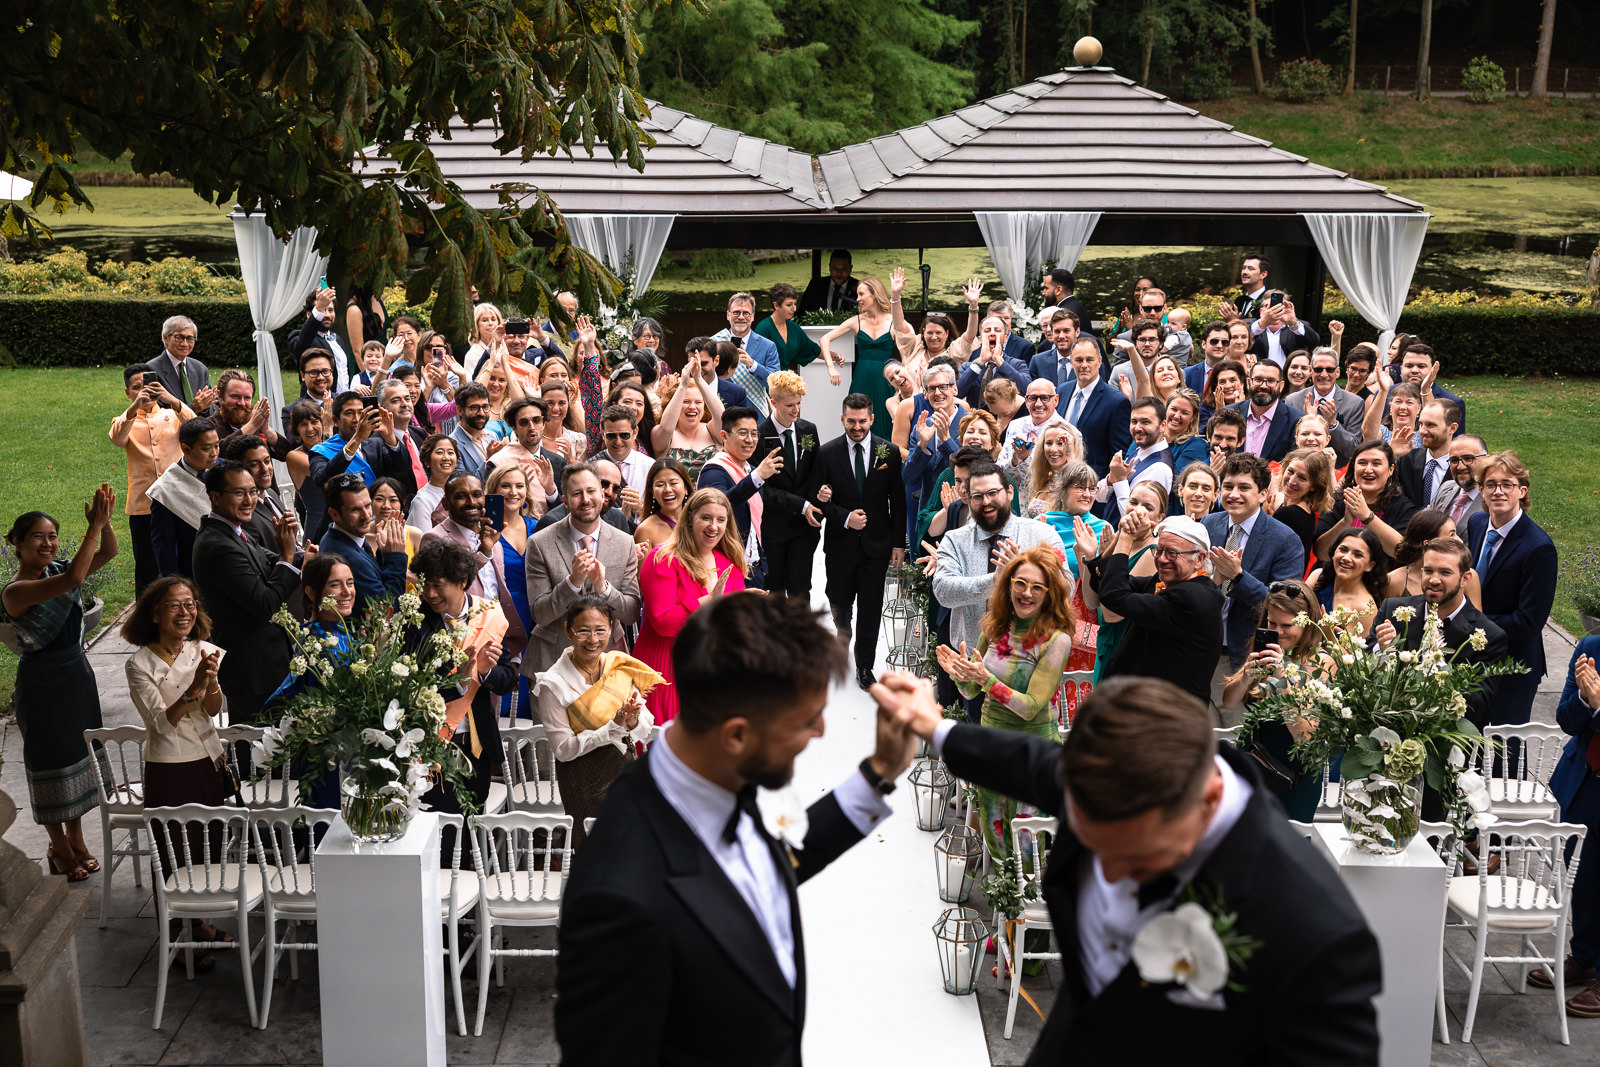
x=612, y=239
x=1371, y=258
x=277, y=277
x=1020, y=242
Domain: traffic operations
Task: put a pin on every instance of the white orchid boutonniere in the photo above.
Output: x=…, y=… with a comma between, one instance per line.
x=1195, y=946
x=783, y=814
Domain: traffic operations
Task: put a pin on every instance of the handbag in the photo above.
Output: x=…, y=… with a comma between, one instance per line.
x=1278, y=776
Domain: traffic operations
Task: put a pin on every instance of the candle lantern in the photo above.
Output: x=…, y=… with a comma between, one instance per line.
x=957, y=855
x=907, y=630
x=932, y=787
x=960, y=935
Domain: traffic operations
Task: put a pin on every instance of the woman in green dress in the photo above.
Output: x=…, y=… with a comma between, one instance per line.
x=1017, y=667
x=874, y=330
x=1091, y=542
x=795, y=346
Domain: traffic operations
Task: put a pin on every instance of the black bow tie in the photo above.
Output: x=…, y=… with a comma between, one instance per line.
x=744, y=804
x=1157, y=890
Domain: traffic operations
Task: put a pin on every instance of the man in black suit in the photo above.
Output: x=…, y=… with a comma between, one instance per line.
x=242, y=586
x=251, y=453
x=743, y=481
x=1139, y=825
x=1423, y=471
x=791, y=524
x=316, y=383
x=1017, y=347
x=1420, y=367
x=680, y=905
x=1278, y=332
x=185, y=377
x=1269, y=422
x=1057, y=288
x=364, y=441
x=837, y=291
x=1253, y=280
x=1174, y=633
x=857, y=479
x=375, y=549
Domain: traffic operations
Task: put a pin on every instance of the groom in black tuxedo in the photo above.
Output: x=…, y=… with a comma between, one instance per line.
x=1149, y=807
x=790, y=525
x=680, y=936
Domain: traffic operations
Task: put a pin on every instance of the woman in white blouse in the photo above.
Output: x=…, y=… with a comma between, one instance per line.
x=172, y=677
x=591, y=703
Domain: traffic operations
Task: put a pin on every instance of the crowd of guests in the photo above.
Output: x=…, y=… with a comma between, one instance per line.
x=1161, y=498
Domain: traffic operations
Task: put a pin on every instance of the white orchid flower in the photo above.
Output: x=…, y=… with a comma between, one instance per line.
x=1470, y=782
x=1457, y=758
x=379, y=738
x=1181, y=946
x=409, y=741
x=1483, y=820
x=1385, y=736
x=386, y=764
x=350, y=787
x=392, y=715
x=784, y=815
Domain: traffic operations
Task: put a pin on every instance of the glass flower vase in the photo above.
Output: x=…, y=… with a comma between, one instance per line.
x=1380, y=815
x=371, y=817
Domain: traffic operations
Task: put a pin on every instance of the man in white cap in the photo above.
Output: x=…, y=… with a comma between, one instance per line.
x=1175, y=617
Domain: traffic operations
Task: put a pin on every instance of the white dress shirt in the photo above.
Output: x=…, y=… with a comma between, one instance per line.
x=635, y=471
x=486, y=578
x=748, y=862
x=1160, y=473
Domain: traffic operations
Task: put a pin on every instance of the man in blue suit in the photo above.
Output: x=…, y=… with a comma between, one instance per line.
x=758, y=357
x=1055, y=364
x=740, y=481
x=1576, y=785
x=1250, y=550
x=1214, y=347
x=1017, y=346
x=1097, y=409
x=376, y=551
x=989, y=362
x=1516, y=565
x=1269, y=423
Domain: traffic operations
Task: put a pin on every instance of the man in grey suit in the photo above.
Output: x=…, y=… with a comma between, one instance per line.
x=1340, y=409
x=1459, y=496
x=580, y=554
x=179, y=372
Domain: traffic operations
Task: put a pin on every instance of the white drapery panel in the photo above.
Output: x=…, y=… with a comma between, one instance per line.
x=277, y=277
x=613, y=239
x=1020, y=242
x=1371, y=258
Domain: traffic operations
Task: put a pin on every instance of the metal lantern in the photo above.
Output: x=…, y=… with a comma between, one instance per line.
x=957, y=855
x=924, y=748
x=932, y=787
x=906, y=629
x=960, y=935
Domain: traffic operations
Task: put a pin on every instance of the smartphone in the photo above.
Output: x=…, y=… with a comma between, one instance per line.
x=772, y=444
x=369, y=401
x=494, y=508
x=1264, y=638
x=1275, y=300
x=322, y=282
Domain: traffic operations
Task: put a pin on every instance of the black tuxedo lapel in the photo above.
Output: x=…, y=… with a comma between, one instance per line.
x=699, y=884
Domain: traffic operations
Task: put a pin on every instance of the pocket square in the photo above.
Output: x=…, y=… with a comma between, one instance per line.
x=1185, y=999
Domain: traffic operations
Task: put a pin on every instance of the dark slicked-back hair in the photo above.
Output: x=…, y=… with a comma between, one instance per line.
x=753, y=657
x=1137, y=745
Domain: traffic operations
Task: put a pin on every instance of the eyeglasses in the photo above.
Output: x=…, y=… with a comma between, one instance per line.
x=1293, y=592
x=241, y=494
x=1038, y=398
x=1146, y=340
x=1161, y=552
x=1019, y=585
x=1454, y=460
x=944, y=388
x=183, y=607
x=182, y=338
x=747, y=435
x=984, y=498
x=1501, y=487
x=591, y=635
x=1267, y=383
x=607, y=486
x=318, y=374
x=619, y=435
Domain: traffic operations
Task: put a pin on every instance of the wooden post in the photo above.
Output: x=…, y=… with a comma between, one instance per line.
x=1566, y=72
x=1518, y=90
x=1386, y=71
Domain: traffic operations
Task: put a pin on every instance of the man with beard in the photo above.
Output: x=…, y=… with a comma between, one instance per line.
x=466, y=524
x=1174, y=615
x=1268, y=423
x=856, y=479
x=364, y=442
x=755, y=358
x=474, y=443
x=1422, y=471
x=612, y=496
x=1147, y=459
x=1225, y=434
x=376, y=551
x=316, y=381
x=967, y=558
x=1459, y=497
x=242, y=586
x=575, y=555
x=680, y=877
x=238, y=411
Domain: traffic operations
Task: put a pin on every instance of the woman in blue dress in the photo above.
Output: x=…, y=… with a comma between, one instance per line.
x=874, y=331
x=512, y=484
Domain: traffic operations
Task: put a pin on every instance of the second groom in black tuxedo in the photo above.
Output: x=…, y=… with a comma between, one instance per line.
x=790, y=524
x=681, y=906
x=857, y=479
x=1149, y=808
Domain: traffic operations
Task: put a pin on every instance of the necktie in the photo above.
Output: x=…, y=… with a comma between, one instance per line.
x=1063, y=371
x=586, y=543
x=993, y=542
x=1430, y=479
x=417, y=471
x=1490, y=539
x=184, y=387
x=791, y=461
x=1235, y=535
x=744, y=803
x=1077, y=407
x=861, y=467
x=833, y=295
x=1463, y=501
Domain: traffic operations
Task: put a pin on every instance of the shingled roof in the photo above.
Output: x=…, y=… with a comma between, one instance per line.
x=1085, y=139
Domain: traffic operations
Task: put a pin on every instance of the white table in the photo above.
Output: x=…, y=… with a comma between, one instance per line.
x=381, y=950
x=1402, y=897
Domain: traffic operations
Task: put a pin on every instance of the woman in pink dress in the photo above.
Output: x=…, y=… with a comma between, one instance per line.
x=701, y=559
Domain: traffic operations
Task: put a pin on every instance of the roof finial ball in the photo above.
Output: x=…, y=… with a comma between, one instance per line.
x=1087, y=51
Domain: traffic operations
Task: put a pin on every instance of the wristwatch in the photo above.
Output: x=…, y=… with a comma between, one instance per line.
x=874, y=779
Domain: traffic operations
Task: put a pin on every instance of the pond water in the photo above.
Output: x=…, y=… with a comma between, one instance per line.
x=1491, y=234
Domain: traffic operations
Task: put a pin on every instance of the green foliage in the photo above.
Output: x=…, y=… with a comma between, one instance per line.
x=275, y=107
x=1304, y=80
x=1495, y=339
x=67, y=271
x=715, y=264
x=864, y=69
x=108, y=329
x=1484, y=80
x=1580, y=577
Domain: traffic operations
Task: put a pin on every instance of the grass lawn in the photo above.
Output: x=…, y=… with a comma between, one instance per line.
x=1377, y=138
x=54, y=451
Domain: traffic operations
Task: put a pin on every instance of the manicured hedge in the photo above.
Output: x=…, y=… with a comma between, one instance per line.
x=1491, y=339
x=90, y=331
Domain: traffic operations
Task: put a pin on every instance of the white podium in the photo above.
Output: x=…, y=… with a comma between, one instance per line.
x=381, y=957
x=1403, y=900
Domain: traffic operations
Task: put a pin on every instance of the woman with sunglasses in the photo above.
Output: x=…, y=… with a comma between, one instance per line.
x=1017, y=666
x=1263, y=674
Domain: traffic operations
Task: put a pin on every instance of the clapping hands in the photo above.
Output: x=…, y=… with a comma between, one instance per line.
x=958, y=666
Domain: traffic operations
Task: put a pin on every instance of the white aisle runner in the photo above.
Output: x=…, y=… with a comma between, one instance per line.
x=873, y=983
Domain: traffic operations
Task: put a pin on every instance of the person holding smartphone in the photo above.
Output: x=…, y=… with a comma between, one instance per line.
x=1278, y=331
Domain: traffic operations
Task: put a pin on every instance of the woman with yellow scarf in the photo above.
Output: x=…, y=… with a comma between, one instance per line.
x=591, y=703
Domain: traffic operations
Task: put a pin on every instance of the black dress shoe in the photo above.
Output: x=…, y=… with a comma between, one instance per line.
x=865, y=678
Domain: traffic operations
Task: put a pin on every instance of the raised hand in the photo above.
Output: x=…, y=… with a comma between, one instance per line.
x=1225, y=564
x=204, y=399
x=772, y=464
x=897, y=281
x=325, y=301
x=941, y=425
x=1004, y=551
x=720, y=586
x=258, y=417
x=587, y=334
x=488, y=655
x=925, y=430
x=1119, y=469
x=1084, y=541
x=1135, y=525
x=930, y=562
x=628, y=500
x=284, y=532
x=1125, y=384
x=1355, y=504
x=948, y=494
x=973, y=291
x=543, y=473
x=1587, y=680
x=393, y=349
x=391, y=535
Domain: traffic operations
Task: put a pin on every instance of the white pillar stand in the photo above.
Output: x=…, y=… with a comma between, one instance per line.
x=824, y=402
x=1402, y=898
x=381, y=955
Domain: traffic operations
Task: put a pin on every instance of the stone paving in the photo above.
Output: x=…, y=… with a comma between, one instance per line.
x=206, y=1021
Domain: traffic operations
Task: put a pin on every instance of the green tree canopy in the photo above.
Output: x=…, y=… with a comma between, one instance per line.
x=272, y=105
x=815, y=74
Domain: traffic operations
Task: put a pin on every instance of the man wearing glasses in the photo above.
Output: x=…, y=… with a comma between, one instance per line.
x=1459, y=497
x=1214, y=346
x=242, y=585
x=185, y=377
x=1340, y=409
x=935, y=424
x=316, y=385
x=1278, y=331
x=1269, y=423
x=1040, y=402
x=620, y=433
x=758, y=356
x=731, y=471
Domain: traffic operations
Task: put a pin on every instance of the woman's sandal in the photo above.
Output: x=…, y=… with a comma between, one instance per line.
x=91, y=864
x=77, y=872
